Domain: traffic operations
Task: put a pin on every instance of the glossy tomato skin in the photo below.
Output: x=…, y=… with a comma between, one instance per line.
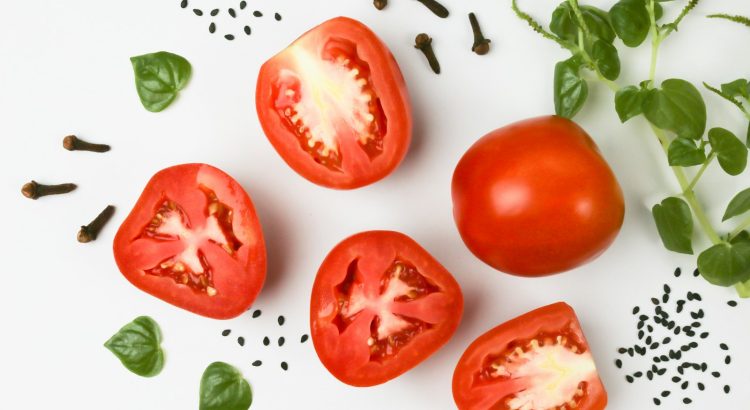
x=346, y=352
x=192, y=190
x=384, y=80
x=536, y=198
x=469, y=394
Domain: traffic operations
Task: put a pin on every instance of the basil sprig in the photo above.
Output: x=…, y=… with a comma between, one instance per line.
x=224, y=388
x=159, y=77
x=138, y=346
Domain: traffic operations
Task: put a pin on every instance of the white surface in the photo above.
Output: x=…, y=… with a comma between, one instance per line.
x=64, y=69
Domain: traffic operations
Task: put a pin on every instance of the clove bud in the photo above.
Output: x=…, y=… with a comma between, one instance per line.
x=380, y=4
x=73, y=143
x=481, y=45
x=34, y=190
x=89, y=232
x=424, y=43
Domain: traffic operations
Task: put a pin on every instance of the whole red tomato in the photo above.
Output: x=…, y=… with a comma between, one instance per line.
x=536, y=198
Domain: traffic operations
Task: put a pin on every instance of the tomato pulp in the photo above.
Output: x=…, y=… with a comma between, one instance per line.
x=536, y=361
x=335, y=107
x=380, y=305
x=193, y=240
x=536, y=198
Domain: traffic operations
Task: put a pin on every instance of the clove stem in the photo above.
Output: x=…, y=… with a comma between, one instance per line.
x=435, y=7
x=481, y=45
x=34, y=190
x=73, y=143
x=424, y=43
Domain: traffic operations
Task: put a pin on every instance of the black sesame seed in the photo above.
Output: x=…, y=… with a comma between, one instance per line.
x=665, y=298
x=666, y=393
x=655, y=301
x=657, y=359
x=281, y=320
x=281, y=341
x=676, y=379
x=694, y=315
x=257, y=363
x=214, y=12
x=724, y=346
x=637, y=374
x=666, y=340
x=678, y=355
x=636, y=310
x=248, y=30
x=687, y=400
x=212, y=28
x=693, y=344
x=629, y=378
x=677, y=272
x=727, y=360
x=621, y=350
x=697, y=297
x=232, y=12
x=716, y=374
x=618, y=363
x=241, y=341
x=696, y=273
x=654, y=368
x=658, y=310
x=701, y=386
x=650, y=375
x=732, y=303
x=640, y=334
x=649, y=328
x=687, y=329
x=670, y=325
x=685, y=348
x=726, y=389
x=640, y=324
x=243, y=4
x=704, y=366
x=690, y=333
x=704, y=335
x=198, y=12
x=229, y=37
x=277, y=16
x=256, y=313
x=681, y=302
x=664, y=358
x=654, y=346
x=226, y=332
x=630, y=351
x=661, y=372
x=679, y=309
x=266, y=341
x=643, y=318
x=257, y=13
x=677, y=330
x=696, y=324
x=184, y=3
x=303, y=339
x=284, y=366
x=648, y=340
x=657, y=401
x=684, y=385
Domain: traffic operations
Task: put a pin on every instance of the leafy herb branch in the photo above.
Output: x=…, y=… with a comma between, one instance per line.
x=676, y=112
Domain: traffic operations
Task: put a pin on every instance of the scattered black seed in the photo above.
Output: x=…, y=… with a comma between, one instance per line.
x=690, y=333
x=693, y=344
x=622, y=350
x=667, y=289
x=643, y=318
x=648, y=340
x=677, y=330
x=704, y=366
x=226, y=332
x=654, y=368
x=677, y=272
x=618, y=363
x=248, y=30
x=726, y=389
x=637, y=374
x=640, y=334
x=661, y=372
x=685, y=348
x=184, y=3
x=277, y=16
x=724, y=346
x=256, y=313
x=670, y=325
x=198, y=12
x=704, y=335
x=232, y=13
x=658, y=310
x=241, y=341
x=212, y=28
x=697, y=296
x=654, y=346
x=655, y=301
x=666, y=340
x=676, y=379
x=284, y=366
x=657, y=359
x=243, y=4
x=214, y=12
x=636, y=310
x=727, y=359
x=696, y=273
x=257, y=363
x=665, y=298
x=629, y=378
x=266, y=341
x=680, y=370
x=678, y=355
x=696, y=366
x=716, y=374
x=303, y=339
x=687, y=400
x=666, y=393
x=685, y=385
x=257, y=13
x=650, y=375
x=664, y=358
x=732, y=303
x=640, y=325
x=687, y=329
x=650, y=328
x=281, y=320
x=630, y=351
x=657, y=401
x=695, y=324
x=281, y=341
x=229, y=37
x=679, y=308
x=701, y=386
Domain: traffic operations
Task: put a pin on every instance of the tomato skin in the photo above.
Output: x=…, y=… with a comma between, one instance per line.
x=549, y=320
x=344, y=354
x=387, y=81
x=536, y=198
x=238, y=279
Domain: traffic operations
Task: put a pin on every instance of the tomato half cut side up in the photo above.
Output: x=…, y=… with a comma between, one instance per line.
x=380, y=305
x=193, y=239
x=537, y=361
x=334, y=105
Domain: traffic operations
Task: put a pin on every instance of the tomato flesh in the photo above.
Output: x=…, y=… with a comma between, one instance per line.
x=380, y=305
x=539, y=361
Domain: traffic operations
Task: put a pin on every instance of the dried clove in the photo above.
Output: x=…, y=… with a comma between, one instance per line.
x=424, y=43
x=73, y=143
x=435, y=7
x=89, y=232
x=481, y=45
x=34, y=190
x=380, y=4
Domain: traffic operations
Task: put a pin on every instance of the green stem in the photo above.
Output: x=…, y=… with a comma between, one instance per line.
x=703, y=168
x=579, y=17
x=744, y=225
x=656, y=39
x=539, y=29
x=669, y=28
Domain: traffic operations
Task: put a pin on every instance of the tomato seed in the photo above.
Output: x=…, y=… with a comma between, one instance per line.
x=226, y=332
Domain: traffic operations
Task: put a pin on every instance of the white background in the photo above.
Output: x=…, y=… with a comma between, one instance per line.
x=64, y=69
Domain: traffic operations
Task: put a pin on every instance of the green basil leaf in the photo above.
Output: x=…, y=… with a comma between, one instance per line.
x=730, y=151
x=224, y=388
x=726, y=264
x=159, y=77
x=677, y=107
x=743, y=289
x=629, y=102
x=570, y=90
x=736, y=87
x=743, y=236
x=606, y=59
x=738, y=205
x=630, y=21
x=685, y=153
x=658, y=11
x=137, y=345
x=565, y=25
x=674, y=221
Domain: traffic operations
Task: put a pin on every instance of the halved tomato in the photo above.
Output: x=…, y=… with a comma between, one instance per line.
x=334, y=105
x=380, y=305
x=193, y=240
x=537, y=361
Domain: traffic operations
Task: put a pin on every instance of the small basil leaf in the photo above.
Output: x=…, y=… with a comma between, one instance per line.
x=730, y=151
x=606, y=59
x=737, y=87
x=677, y=107
x=743, y=236
x=675, y=224
x=738, y=205
x=743, y=289
x=159, y=77
x=658, y=11
x=137, y=345
x=598, y=23
x=224, y=388
x=570, y=90
x=726, y=264
x=630, y=21
x=565, y=25
x=629, y=102
x=685, y=153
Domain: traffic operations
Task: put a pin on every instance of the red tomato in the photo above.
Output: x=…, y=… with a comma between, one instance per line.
x=539, y=360
x=380, y=305
x=334, y=105
x=193, y=240
x=536, y=198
